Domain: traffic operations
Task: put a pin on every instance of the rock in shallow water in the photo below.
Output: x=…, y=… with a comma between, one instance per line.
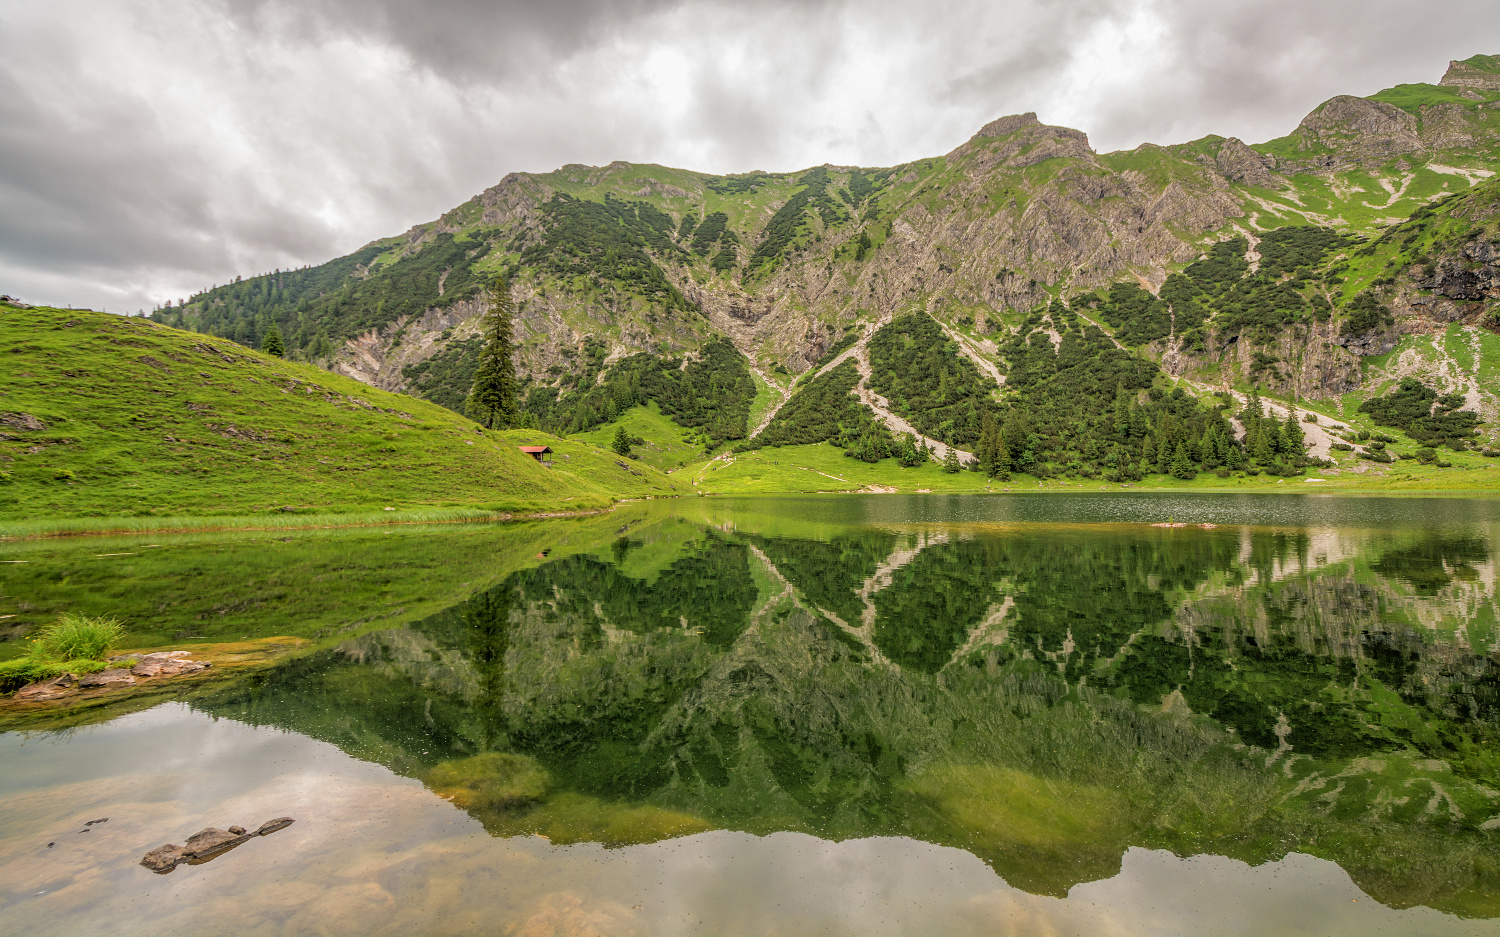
x=160, y=664
x=47, y=689
x=205, y=845
x=106, y=678
x=168, y=664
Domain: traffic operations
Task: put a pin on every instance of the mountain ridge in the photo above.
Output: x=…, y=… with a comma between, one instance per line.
x=627, y=259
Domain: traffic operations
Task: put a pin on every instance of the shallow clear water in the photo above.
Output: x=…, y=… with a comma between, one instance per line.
x=854, y=715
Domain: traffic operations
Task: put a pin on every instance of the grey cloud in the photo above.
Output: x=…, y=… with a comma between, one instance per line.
x=1254, y=70
x=151, y=147
x=467, y=40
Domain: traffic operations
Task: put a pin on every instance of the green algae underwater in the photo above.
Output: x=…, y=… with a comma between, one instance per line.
x=1047, y=685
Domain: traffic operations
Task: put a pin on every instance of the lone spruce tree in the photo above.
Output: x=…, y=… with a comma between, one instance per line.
x=492, y=399
x=272, y=345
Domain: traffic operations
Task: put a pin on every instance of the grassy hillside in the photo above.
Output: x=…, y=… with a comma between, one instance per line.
x=667, y=446
x=106, y=416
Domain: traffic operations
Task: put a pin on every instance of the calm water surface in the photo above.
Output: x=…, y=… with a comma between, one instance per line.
x=822, y=715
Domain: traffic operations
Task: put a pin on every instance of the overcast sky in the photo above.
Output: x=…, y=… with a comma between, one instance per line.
x=150, y=148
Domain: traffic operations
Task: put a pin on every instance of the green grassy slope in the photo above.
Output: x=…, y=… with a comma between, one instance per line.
x=667, y=446
x=105, y=416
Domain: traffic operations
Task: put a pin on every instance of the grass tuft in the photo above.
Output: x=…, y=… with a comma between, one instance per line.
x=72, y=644
x=77, y=637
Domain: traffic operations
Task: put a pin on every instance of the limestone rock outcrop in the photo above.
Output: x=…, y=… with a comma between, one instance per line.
x=1481, y=72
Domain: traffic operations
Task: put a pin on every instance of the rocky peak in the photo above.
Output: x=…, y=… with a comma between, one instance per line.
x=1237, y=162
x=1006, y=126
x=1021, y=140
x=513, y=199
x=1481, y=72
x=1360, y=129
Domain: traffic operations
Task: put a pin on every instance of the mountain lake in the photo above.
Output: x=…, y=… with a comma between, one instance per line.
x=861, y=715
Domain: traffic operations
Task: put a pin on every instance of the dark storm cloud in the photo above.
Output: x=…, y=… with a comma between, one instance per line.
x=149, y=148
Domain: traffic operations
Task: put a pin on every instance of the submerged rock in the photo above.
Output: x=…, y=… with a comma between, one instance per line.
x=206, y=844
x=492, y=780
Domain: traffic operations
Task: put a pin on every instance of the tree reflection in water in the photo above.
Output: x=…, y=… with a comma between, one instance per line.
x=1044, y=698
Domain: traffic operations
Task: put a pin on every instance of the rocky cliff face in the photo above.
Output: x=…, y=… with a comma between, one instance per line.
x=1311, y=361
x=990, y=233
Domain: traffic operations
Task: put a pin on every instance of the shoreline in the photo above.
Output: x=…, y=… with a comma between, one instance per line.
x=15, y=531
x=228, y=661
x=112, y=526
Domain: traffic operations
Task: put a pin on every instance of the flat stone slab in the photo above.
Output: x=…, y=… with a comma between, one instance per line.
x=161, y=665
x=112, y=677
x=47, y=689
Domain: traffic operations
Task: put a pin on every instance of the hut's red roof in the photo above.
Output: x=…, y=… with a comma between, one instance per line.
x=533, y=450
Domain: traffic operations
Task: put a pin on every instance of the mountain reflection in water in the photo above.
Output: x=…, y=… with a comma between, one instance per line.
x=1043, y=697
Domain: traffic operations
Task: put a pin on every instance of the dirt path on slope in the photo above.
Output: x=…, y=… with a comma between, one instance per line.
x=785, y=396
x=859, y=351
x=966, y=346
x=894, y=423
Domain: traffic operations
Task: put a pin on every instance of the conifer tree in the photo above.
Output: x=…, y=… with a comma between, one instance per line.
x=1234, y=458
x=951, y=464
x=1122, y=411
x=272, y=345
x=1017, y=436
x=1210, y=447
x=1182, y=466
x=1002, y=460
x=910, y=452
x=492, y=398
x=621, y=445
x=1262, y=447
x=1291, y=432
x=1252, y=413
x=987, y=456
